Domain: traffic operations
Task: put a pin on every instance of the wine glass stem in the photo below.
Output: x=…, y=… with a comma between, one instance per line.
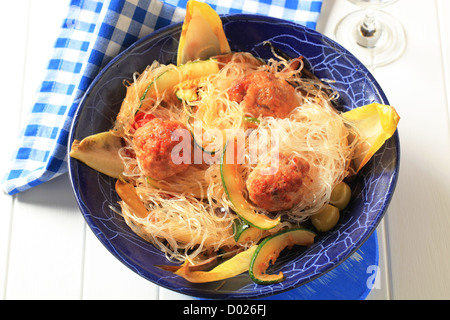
x=368, y=26
x=368, y=33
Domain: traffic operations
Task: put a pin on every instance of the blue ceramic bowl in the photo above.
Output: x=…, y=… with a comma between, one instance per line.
x=372, y=188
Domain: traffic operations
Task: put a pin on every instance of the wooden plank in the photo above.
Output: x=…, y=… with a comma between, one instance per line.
x=12, y=66
x=46, y=227
x=46, y=244
x=105, y=277
x=418, y=220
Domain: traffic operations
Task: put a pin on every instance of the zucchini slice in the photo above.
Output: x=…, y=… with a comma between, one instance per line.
x=198, y=141
x=186, y=94
x=170, y=78
x=232, y=184
x=244, y=232
x=269, y=250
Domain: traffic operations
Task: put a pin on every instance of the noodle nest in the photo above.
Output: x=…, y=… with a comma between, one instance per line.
x=190, y=213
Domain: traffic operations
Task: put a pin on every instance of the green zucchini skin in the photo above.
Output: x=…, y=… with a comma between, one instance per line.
x=269, y=249
x=243, y=232
x=252, y=120
x=240, y=205
x=239, y=228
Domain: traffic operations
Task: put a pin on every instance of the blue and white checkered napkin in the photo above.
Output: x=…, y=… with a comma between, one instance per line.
x=93, y=32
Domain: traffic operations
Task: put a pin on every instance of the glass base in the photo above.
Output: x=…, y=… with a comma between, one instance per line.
x=381, y=48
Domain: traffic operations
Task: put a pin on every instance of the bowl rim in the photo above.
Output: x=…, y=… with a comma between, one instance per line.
x=167, y=30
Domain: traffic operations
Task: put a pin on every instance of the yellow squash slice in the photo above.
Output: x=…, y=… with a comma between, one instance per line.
x=376, y=123
x=202, y=34
x=228, y=269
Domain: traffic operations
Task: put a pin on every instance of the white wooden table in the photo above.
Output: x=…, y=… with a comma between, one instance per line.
x=48, y=252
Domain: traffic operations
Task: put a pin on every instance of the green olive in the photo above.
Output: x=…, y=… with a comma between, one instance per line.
x=326, y=218
x=340, y=196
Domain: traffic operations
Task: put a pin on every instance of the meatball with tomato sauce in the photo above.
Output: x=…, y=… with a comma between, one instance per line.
x=263, y=94
x=160, y=146
x=277, y=184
